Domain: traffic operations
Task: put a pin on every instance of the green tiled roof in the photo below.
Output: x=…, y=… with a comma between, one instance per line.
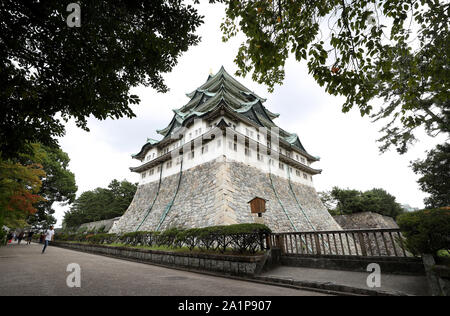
x=222, y=88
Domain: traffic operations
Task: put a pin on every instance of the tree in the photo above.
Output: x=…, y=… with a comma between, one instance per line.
x=435, y=176
x=100, y=204
x=426, y=231
x=57, y=186
x=50, y=72
x=348, y=201
x=380, y=201
x=364, y=50
x=19, y=185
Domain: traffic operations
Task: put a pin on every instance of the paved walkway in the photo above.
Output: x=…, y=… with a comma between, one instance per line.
x=395, y=284
x=24, y=271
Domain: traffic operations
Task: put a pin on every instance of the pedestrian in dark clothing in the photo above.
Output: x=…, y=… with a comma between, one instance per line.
x=20, y=237
x=30, y=237
x=10, y=237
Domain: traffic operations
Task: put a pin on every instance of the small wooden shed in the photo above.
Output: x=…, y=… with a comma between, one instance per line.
x=257, y=205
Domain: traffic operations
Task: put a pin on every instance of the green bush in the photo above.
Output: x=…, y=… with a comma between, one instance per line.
x=101, y=238
x=426, y=231
x=3, y=235
x=240, y=237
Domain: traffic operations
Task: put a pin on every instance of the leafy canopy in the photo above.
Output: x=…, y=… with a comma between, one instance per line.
x=435, y=176
x=363, y=50
x=58, y=185
x=100, y=204
x=19, y=187
x=50, y=72
x=426, y=231
x=345, y=201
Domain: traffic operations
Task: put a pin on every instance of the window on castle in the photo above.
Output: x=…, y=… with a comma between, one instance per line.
x=150, y=173
x=143, y=175
x=169, y=165
x=305, y=176
x=269, y=144
x=247, y=152
x=296, y=157
x=297, y=173
x=191, y=155
x=303, y=160
x=281, y=166
x=257, y=137
x=235, y=146
x=260, y=157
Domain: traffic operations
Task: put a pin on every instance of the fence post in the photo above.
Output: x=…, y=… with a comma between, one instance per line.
x=268, y=242
x=316, y=239
x=362, y=244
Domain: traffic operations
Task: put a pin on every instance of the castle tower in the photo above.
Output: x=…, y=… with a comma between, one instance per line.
x=221, y=150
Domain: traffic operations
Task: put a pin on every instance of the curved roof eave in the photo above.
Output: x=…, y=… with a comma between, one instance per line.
x=150, y=142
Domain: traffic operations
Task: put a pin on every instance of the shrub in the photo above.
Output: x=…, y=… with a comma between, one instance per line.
x=101, y=238
x=3, y=235
x=426, y=231
x=241, y=238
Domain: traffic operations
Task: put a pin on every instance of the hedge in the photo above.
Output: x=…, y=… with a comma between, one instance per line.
x=240, y=238
x=426, y=231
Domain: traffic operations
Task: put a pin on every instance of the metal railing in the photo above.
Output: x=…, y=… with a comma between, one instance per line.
x=365, y=242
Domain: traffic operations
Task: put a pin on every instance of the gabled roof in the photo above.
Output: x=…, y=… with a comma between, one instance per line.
x=222, y=89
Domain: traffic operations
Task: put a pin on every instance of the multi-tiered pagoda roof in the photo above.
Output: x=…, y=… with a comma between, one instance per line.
x=221, y=92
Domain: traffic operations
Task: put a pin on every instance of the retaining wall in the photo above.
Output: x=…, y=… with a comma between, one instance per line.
x=226, y=264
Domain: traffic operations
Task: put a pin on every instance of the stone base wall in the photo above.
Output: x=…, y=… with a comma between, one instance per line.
x=365, y=220
x=105, y=225
x=217, y=193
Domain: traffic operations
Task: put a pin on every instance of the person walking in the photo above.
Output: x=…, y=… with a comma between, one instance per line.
x=49, y=234
x=20, y=237
x=30, y=237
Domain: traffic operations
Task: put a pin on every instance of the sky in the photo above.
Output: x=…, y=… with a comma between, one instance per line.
x=346, y=143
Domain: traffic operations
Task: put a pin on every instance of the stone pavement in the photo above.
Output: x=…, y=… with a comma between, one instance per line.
x=24, y=271
x=354, y=282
